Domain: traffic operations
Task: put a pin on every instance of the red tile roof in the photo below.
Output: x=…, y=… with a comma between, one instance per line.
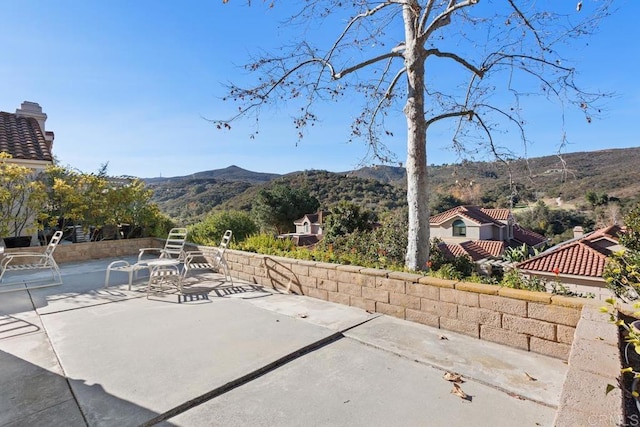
x=578, y=258
x=476, y=249
x=474, y=213
x=583, y=257
x=22, y=138
x=528, y=237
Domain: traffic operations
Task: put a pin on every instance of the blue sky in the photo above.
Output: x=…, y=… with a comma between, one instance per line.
x=131, y=83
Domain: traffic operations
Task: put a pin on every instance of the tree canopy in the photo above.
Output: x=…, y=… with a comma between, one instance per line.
x=468, y=64
x=279, y=206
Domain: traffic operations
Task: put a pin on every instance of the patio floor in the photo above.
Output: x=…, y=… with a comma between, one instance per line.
x=79, y=354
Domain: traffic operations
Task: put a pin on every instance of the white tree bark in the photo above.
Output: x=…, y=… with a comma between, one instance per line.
x=417, y=177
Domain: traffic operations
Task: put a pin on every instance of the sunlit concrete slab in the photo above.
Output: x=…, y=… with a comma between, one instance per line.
x=132, y=359
x=348, y=383
x=337, y=317
x=521, y=373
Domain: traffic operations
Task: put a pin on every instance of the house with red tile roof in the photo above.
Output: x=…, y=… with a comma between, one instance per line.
x=578, y=263
x=480, y=233
x=24, y=137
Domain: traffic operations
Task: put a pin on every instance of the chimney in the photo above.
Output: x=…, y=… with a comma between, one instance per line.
x=578, y=232
x=33, y=109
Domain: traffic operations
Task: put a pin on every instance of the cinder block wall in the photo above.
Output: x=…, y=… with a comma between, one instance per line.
x=96, y=250
x=533, y=321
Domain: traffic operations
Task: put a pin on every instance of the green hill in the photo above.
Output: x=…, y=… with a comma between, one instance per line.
x=614, y=172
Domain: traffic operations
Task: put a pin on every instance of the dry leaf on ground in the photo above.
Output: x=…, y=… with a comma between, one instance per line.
x=443, y=337
x=453, y=377
x=529, y=377
x=457, y=390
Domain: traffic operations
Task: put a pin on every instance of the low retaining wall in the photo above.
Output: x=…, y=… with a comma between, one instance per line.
x=533, y=321
x=95, y=250
x=570, y=329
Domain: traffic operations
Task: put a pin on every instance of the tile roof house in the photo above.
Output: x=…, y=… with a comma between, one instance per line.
x=23, y=135
x=480, y=232
x=578, y=263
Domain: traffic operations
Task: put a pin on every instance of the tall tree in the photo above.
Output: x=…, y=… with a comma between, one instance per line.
x=277, y=207
x=465, y=62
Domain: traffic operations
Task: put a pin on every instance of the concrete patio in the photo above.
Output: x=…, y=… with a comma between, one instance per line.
x=79, y=354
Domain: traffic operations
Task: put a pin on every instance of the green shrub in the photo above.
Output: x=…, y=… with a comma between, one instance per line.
x=210, y=231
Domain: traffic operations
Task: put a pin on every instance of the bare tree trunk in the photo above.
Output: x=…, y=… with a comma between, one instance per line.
x=417, y=179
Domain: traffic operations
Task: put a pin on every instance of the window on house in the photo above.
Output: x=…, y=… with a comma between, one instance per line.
x=459, y=228
x=306, y=227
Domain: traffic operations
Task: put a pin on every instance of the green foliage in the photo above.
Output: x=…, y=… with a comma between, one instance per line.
x=622, y=271
x=347, y=217
x=267, y=244
x=513, y=279
x=383, y=247
x=92, y=200
x=548, y=222
x=212, y=228
x=21, y=198
x=596, y=199
x=518, y=254
x=439, y=202
x=279, y=206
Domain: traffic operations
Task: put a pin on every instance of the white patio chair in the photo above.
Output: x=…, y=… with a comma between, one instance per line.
x=25, y=261
x=173, y=247
x=215, y=260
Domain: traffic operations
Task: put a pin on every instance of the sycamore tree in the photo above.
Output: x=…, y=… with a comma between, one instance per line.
x=466, y=67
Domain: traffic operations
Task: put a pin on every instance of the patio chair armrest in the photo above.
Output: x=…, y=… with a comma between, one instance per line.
x=145, y=250
x=118, y=264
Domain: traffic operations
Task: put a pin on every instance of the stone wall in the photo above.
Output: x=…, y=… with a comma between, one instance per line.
x=532, y=321
x=74, y=252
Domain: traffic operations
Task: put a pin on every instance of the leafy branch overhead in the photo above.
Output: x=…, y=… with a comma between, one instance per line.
x=469, y=64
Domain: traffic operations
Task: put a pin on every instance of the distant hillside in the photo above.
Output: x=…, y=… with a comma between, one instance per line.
x=231, y=173
x=614, y=172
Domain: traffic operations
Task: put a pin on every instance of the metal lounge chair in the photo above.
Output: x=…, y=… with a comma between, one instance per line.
x=173, y=249
x=26, y=261
x=209, y=260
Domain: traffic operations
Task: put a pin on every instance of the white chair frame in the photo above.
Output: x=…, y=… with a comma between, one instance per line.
x=200, y=260
x=25, y=261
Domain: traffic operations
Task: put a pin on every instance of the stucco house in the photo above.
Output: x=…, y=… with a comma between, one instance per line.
x=23, y=135
x=577, y=264
x=480, y=232
x=311, y=223
x=308, y=229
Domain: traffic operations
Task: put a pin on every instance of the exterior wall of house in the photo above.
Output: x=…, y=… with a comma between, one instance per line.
x=445, y=231
x=489, y=232
x=533, y=321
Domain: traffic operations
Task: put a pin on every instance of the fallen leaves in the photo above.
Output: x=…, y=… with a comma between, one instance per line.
x=457, y=390
x=456, y=379
x=453, y=377
x=530, y=378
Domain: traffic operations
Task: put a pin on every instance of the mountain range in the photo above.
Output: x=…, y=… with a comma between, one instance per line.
x=569, y=177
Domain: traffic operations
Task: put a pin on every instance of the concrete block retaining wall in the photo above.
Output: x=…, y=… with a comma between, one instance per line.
x=533, y=321
x=96, y=250
x=571, y=329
